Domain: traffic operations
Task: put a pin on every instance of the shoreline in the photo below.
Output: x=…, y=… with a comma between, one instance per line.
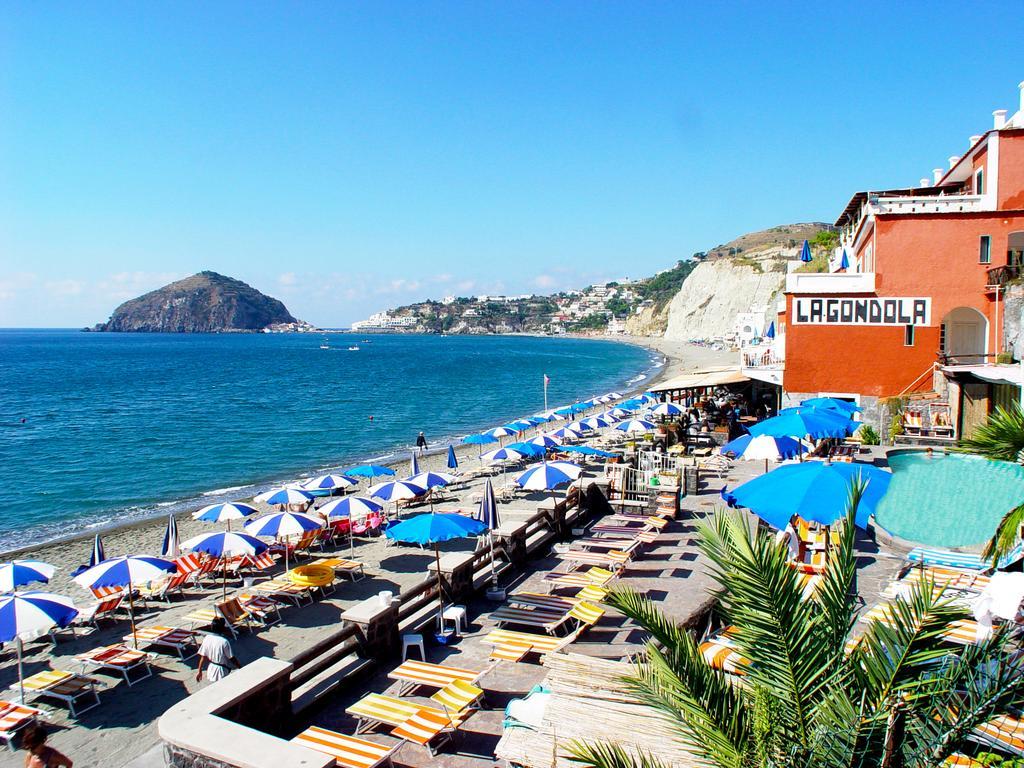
x=146, y=532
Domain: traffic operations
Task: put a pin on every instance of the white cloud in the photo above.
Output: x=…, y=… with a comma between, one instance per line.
x=544, y=281
x=11, y=285
x=65, y=288
x=287, y=279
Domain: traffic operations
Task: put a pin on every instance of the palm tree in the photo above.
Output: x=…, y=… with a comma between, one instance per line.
x=899, y=698
x=1001, y=438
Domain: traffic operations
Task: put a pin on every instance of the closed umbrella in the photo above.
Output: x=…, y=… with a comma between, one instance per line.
x=27, y=615
x=487, y=514
x=432, y=529
x=805, y=253
x=816, y=491
x=414, y=465
x=453, y=462
x=125, y=572
x=225, y=544
x=770, y=333
x=170, y=548
x=97, y=555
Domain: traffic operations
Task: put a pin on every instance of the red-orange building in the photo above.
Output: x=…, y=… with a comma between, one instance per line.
x=919, y=307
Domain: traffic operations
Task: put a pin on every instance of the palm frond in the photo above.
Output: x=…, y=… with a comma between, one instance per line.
x=605, y=755
x=1006, y=536
x=1001, y=437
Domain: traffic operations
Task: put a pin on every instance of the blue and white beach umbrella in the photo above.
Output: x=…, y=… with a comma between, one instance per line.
x=614, y=415
x=587, y=450
x=351, y=507
x=225, y=544
x=520, y=425
x=634, y=426
x=595, y=422
x=499, y=432
x=545, y=476
x=18, y=573
x=487, y=513
x=430, y=480
x=805, y=253
x=284, y=525
x=528, y=449
x=568, y=432
x=397, y=490
x=666, y=409
x=369, y=470
x=329, y=483
x=285, y=496
x=546, y=441
x=225, y=513
x=98, y=555
x=481, y=439
x=500, y=455
x=170, y=547
x=126, y=571
x=29, y=614
x=453, y=461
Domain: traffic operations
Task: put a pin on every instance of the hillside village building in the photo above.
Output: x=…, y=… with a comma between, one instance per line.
x=914, y=304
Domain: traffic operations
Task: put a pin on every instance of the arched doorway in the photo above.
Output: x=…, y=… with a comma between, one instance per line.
x=966, y=336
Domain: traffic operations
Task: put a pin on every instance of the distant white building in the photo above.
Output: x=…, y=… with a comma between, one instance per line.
x=383, y=321
x=616, y=327
x=749, y=326
x=448, y=300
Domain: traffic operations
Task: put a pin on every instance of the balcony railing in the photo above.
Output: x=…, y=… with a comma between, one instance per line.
x=1000, y=276
x=762, y=357
x=927, y=204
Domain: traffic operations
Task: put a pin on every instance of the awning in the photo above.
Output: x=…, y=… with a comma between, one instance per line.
x=699, y=379
x=998, y=374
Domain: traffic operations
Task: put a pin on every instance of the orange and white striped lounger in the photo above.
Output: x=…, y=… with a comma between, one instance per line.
x=117, y=658
x=949, y=579
x=350, y=568
x=376, y=709
x=959, y=760
x=63, y=686
x=720, y=653
x=427, y=727
x=1003, y=732
x=412, y=674
x=265, y=610
x=959, y=632
x=182, y=641
x=283, y=589
x=347, y=751
x=14, y=717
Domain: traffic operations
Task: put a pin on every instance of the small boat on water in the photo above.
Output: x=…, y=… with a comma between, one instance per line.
x=326, y=343
x=353, y=349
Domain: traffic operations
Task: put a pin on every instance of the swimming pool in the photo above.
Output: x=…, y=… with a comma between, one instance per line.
x=948, y=499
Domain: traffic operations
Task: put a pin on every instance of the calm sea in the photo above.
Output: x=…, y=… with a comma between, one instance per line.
x=122, y=426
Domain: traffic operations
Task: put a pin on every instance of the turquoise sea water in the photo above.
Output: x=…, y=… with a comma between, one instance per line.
x=120, y=426
x=948, y=500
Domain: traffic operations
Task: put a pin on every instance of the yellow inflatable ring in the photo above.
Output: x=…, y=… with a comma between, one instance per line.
x=311, y=575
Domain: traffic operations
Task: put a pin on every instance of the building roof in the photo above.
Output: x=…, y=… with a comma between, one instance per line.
x=709, y=377
x=859, y=198
x=997, y=374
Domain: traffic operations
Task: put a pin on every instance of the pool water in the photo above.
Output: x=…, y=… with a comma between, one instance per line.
x=948, y=500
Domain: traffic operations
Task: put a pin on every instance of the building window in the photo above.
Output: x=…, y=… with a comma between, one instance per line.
x=908, y=336
x=985, y=250
x=942, y=337
x=979, y=182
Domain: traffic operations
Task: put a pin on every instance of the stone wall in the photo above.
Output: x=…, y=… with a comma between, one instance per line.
x=1013, y=320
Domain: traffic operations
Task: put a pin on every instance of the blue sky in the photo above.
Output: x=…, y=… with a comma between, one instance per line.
x=348, y=157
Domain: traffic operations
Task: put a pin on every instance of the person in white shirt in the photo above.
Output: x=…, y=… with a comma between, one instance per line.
x=791, y=539
x=215, y=653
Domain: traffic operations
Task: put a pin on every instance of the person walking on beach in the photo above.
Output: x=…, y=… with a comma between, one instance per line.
x=33, y=741
x=421, y=442
x=215, y=653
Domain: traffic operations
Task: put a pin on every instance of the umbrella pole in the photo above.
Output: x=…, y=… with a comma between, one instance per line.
x=440, y=590
x=494, y=570
x=224, y=578
x=131, y=613
x=21, y=674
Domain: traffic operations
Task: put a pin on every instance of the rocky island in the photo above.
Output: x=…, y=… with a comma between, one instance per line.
x=207, y=302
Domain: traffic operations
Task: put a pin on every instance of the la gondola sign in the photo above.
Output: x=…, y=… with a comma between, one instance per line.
x=827, y=310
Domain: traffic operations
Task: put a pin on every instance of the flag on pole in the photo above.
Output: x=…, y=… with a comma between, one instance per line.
x=546, y=380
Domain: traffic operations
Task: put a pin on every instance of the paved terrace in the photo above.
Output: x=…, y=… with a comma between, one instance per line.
x=672, y=572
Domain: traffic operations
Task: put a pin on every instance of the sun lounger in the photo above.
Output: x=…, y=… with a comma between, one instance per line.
x=515, y=646
x=376, y=709
x=458, y=696
x=411, y=674
x=14, y=717
x=265, y=610
x=965, y=560
x=117, y=658
x=103, y=609
x=585, y=614
x=427, y=727
x=550, y=602
x=181, y=641
x=599, y=577
x=945, y=578
x=1003, y=732
x=164, y=588
x=612, y=559
x=531, y=616
x=721, y=653
x=283, y=589
x=206, y=568
x=347, y=751
x=230, y=610
x=350, y=568
x=63, y=686
x=959, y=632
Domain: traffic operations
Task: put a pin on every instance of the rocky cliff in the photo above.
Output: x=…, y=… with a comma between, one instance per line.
x=739, y=276
x=203, y=303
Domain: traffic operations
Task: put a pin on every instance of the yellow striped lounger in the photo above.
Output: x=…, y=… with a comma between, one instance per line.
x=64, y=686
x=424, y=726
x=350, y=568
x=612, y=559
x=347, y=751
x=528, y=616
x=412, y=673
x=599, y=577
x=959, y=632
x=377, y=708
x=181, y=641
x=509, y=645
